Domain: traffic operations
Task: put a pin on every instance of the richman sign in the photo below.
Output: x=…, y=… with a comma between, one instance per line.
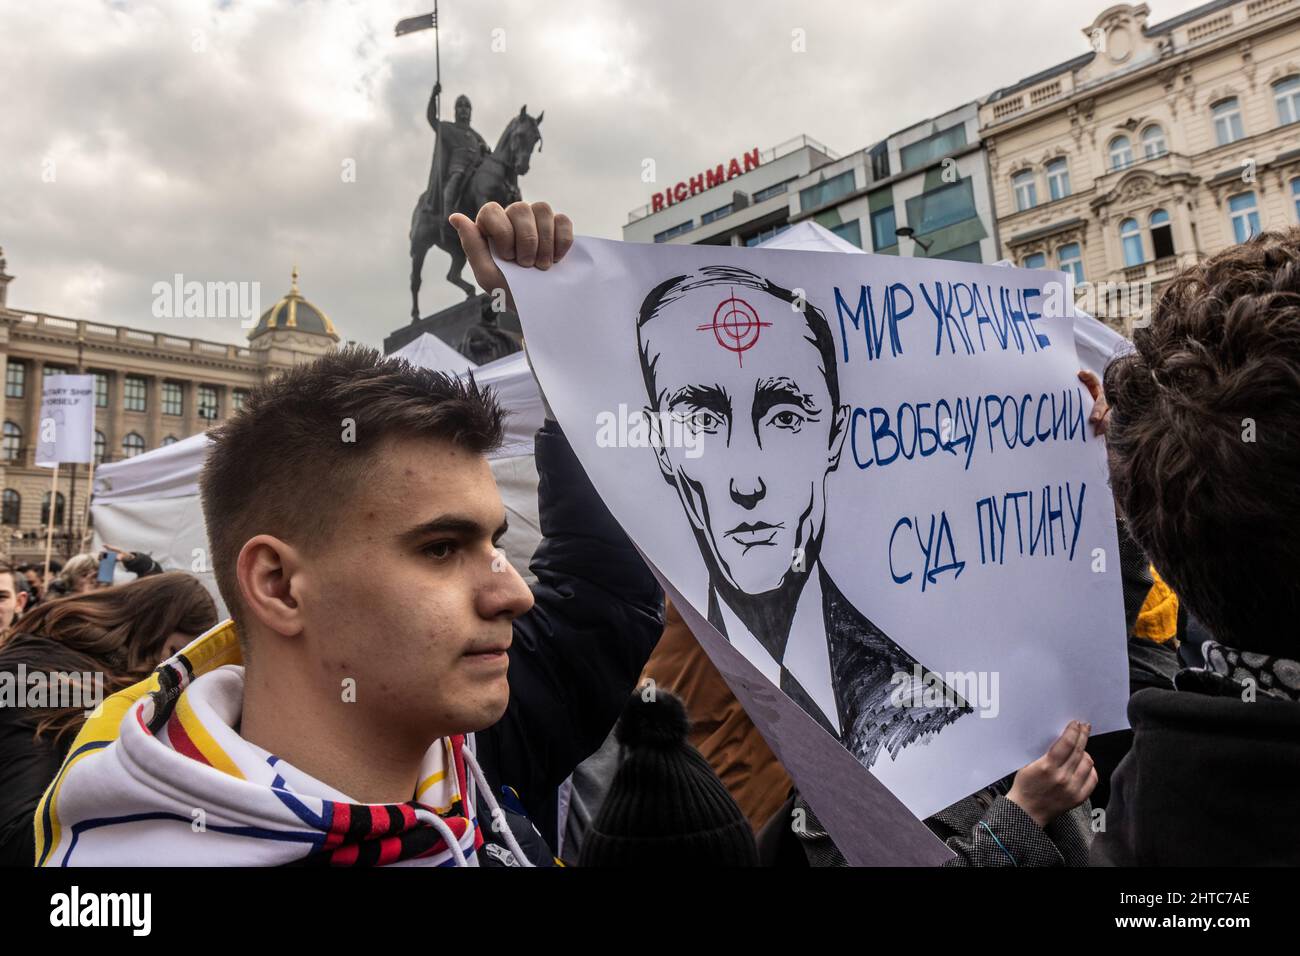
x=716, y=176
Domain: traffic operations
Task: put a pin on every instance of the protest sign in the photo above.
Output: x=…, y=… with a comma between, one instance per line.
x=872, y=476
x=67, y=428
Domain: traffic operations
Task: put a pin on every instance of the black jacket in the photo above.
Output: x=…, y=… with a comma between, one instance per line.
x=1209, y=781
x=578, y=653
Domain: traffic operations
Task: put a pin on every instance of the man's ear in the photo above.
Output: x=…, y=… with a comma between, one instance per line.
x=839, y=428
x=659, y=445
x=20, y=601
x=265, y=569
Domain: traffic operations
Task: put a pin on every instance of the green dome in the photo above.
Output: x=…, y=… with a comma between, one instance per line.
x=295, y=312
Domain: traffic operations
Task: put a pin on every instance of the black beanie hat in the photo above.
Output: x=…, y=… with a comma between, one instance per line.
x=666, y=806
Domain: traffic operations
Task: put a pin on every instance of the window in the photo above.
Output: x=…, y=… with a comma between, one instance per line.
x=1286, y=94
x=944, y=206
x=883, y=224
x=1227, y=121
x=850, y=231
x=713, y=214
x=133, y=399
x=1162, y=235
x=766, y=234
x=826, y=192
x=1153, y=142
x=101, y=447
x=1121, y=152
x=967, y=253
x=172, y=402
x=1295, y=196
x=1131, y=238
x=13, y=507
x=1036, y=260
x=1070, y=259
x=58, y=508
x=13, y=441
x=169, y=440
x=930, y=149
x=56, y=370
x=237, y=399
x=15, y=380
x=132, y=445
x=767, y=192
x=1026, y=190
x=1058, y=179
x=879, y=161
x=676, y=230
x=1245, y=216
x=101, y=390
x=207, y=403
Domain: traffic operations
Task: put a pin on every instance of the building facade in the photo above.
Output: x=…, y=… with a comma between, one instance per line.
x=1158, y=147
x=930, y=178
x=151, y=389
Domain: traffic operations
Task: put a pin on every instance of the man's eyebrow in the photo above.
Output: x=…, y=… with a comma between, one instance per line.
x=771, y=392
x=453, y=524
x=712, y=397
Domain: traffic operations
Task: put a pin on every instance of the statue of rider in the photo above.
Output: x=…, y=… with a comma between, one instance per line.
x=464, y=148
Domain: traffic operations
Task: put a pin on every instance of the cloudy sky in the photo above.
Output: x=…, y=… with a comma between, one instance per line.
x=210, y=139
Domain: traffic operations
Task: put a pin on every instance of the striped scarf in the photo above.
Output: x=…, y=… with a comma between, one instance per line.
x=159, y=776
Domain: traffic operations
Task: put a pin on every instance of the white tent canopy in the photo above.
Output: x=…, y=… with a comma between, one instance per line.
x=429, y=351
x=808, y=236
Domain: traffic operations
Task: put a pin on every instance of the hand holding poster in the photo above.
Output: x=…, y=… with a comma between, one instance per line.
x=872, y=477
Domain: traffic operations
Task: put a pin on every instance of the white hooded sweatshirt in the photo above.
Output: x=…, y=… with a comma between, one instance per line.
x=158, y=776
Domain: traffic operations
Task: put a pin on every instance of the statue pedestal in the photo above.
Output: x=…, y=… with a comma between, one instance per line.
x=470, y=327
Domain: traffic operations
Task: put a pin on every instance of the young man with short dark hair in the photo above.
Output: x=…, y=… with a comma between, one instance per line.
x=329, y=722
x=1204, y=441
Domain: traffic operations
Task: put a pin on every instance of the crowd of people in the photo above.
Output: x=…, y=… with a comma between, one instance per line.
x=438, y=710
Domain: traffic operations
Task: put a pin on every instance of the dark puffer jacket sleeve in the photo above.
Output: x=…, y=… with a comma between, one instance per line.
x=578, y=653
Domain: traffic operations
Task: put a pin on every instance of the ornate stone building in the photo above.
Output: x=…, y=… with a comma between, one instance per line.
x=151, y=389
x=1159, y=146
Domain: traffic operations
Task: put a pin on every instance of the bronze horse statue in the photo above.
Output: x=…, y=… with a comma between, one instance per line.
x=495, y=178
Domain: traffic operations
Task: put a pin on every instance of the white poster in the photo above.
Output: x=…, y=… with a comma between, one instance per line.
x=67, y=427
x=873, y=476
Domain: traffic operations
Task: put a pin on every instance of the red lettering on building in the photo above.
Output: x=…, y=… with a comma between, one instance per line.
x=706, y=180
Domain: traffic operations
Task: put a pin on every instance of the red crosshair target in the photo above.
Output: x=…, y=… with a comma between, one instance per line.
x=735, y=325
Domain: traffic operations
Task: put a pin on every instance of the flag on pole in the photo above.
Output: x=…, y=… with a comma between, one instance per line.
x=67, y=426
x=415, y=24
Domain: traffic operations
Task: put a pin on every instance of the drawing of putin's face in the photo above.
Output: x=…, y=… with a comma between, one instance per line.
x=743, y=364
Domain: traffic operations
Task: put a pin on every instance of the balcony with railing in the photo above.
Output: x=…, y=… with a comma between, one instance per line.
x=1162, y=164
x=92, y=333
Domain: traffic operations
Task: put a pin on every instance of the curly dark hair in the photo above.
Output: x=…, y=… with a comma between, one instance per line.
x=1204, y=441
